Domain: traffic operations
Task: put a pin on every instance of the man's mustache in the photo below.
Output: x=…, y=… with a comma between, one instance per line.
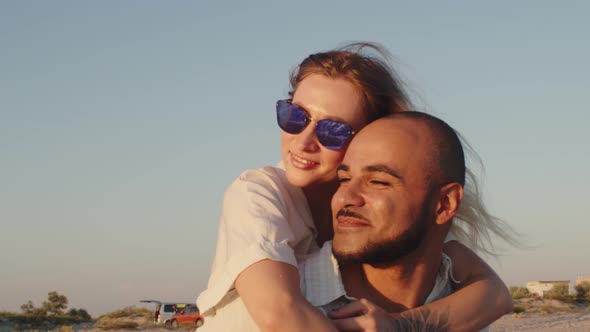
x=349, y=213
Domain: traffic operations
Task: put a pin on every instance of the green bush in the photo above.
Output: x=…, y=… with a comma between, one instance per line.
x=559, y=292
x=518, y=309
x=32, y=322
x=129, y=312
x=54, y=306
x=117, y=325
x=520, y=293
x=81, y=313
x=583, y=291
x=7, y=314
x=126, y=318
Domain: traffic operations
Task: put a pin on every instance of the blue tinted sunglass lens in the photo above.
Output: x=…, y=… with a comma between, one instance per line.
x=332, y=134
x=291, y=118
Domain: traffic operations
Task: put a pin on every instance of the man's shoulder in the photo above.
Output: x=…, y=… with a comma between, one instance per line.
x=443, y=283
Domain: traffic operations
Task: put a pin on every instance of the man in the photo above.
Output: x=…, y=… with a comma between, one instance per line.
x=401, y=183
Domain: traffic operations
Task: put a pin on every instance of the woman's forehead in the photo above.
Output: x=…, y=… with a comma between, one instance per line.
x=324, y=97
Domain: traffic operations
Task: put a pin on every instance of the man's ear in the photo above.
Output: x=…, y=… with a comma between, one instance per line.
x=450, y=197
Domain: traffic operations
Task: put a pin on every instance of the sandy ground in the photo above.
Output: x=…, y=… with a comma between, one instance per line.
x=533, y=322
x=552, y=322
x=542, y=323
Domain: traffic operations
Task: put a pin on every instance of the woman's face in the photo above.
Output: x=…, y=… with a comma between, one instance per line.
x=307, y=162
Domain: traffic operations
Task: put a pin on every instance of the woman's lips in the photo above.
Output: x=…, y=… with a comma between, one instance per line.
x=302, y=163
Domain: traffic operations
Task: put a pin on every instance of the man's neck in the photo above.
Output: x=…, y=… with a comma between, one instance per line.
x=396, y=287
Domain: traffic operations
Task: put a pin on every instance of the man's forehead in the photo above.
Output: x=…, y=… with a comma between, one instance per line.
x=390, y=133
x=394, y=143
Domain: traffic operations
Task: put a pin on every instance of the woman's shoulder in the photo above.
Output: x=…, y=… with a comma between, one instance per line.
x=265, y=179
x=265, y=189
x=266, y=174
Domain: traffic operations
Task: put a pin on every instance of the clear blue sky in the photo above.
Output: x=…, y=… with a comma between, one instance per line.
x=122, y=123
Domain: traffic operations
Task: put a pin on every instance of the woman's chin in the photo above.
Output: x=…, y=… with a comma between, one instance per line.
x=306, y=179
x=299, y=180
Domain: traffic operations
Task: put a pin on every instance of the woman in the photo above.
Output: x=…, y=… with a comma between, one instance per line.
x=274, y=215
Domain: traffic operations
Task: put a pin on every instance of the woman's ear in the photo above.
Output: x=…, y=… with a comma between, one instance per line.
x=450, y=197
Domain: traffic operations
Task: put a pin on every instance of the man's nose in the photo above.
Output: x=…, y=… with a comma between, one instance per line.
x=307, y=139
x=348, y=194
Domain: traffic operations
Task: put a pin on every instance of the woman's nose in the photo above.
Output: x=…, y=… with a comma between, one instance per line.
x=307, y=139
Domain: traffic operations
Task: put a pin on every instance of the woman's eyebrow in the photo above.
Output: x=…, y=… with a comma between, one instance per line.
x=343, y=167
x=382, y=169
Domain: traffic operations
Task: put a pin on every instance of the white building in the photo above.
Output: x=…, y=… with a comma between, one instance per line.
x=541, y=287
x=580, y=280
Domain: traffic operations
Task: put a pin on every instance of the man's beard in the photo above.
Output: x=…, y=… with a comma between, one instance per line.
x=388, y=251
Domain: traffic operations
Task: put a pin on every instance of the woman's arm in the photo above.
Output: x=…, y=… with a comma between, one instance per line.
x=255, y=256
x=270, y=291
x=481, y=296
x=480, y=299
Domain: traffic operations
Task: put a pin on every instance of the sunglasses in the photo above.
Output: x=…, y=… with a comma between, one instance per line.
x=333, y=135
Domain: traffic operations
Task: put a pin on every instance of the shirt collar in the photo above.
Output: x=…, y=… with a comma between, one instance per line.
x=321, y=281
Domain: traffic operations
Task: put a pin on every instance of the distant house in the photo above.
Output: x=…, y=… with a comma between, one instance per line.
x=580, y=280
x=540, y=288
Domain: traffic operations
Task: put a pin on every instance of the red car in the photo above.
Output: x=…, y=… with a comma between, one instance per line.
x=188, y=316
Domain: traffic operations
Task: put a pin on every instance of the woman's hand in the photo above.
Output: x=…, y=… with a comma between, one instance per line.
x=363, y=315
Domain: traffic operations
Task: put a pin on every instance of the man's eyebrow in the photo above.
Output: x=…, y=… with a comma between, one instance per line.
x=383, y=169
x=344, y=168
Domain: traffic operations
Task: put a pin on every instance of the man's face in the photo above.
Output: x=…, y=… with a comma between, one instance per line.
x=384, y=204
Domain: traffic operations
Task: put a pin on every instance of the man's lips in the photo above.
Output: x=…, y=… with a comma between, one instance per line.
x=351, y=222
x=347, y=218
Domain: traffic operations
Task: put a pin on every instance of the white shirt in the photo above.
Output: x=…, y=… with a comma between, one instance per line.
x=263, y=217
x=321, y=284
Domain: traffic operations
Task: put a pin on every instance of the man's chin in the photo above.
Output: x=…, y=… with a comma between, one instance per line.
x=387, y=252
x=347, y=254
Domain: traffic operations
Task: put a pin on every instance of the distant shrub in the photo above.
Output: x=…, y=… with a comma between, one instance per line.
x=128, y=312
x=583, y=291
x=517, y=315
x=65, y=328
x=125, y=318
x=7, y=314
x=550, y=309
x=80, y=313
x=519, y=292
x=26, y=322
x=54, y=306
x=559, y=292
x=518, y=309
x=117, y=325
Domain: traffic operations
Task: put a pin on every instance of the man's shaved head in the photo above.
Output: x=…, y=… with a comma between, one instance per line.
x=447, y=160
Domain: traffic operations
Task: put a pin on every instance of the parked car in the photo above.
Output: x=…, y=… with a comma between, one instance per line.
x=165, y=310
x=188, y=316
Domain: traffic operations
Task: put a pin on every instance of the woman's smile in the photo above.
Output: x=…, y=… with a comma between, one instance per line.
x=302, y=163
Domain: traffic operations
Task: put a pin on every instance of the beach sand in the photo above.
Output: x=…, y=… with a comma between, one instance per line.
x=553, y=322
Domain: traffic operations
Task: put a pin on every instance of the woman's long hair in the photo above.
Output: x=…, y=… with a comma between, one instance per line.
x=368, y=66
